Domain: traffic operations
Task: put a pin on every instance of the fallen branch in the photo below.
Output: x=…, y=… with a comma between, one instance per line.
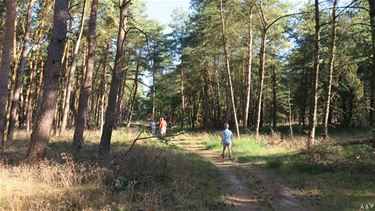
x=111, y=161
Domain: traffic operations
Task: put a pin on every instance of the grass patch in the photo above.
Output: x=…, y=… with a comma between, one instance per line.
x=329, y=177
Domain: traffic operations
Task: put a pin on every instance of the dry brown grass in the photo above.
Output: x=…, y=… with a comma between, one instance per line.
x=35, y=186
x=152, y=176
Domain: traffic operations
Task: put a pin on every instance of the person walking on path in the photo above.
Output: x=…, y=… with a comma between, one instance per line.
x=163, y=126
x=153, y=127
x=170, y=124
x=227, y=140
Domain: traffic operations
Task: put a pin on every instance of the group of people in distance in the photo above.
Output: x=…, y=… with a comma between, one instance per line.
x=163, y=125
x=226, y=134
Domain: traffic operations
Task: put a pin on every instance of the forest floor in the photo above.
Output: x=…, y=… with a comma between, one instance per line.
x=184, y=171
x=238, y=194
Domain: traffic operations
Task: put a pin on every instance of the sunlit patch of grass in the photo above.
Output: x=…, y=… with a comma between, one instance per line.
x=330, y=177
x=247, y=149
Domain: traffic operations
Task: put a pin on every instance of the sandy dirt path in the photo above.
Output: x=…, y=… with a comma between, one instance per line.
x=278, y=195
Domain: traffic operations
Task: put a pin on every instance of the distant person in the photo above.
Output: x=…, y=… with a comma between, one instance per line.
x=227, y=140
x=170, y=124
x=153, y=127
x=163, y=126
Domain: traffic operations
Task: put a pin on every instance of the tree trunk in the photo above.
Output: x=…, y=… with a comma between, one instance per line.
x=217, y=94
x=102, y=108
x=262, y=59
x=71, y=72
x=331, y=68
x=302, y=114
x=86, y=86
x=315, y=79
x=6, y=60
x=132, y=102
x=372, y=21
x=227, y=63
x=290, y=115
x=30, y=98
x=274, y=99
x=103, y=88
x=205, y=97
x=21, y=66
x=249, y=67
x=120, y=97
x=111, y=113
x=42, y=128
x=153, y=89
x=182, y=96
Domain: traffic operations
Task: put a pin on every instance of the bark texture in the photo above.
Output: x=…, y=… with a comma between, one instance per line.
x=86, y=86
x=315, y=78
x=6, y=60
x=111, y=113
x=46, y=110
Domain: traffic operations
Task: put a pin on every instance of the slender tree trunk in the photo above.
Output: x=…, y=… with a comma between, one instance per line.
x=274, y=98
x=290, y=115
x=331, y=68
x=133, y=101
x=302, y=114
x=29, y=105
x=217, y=94
x=228, y=103
x=372, y=21
x=68, y=93
x=6, y=60
x=103, y=88
x=19, y=73
x=86, y=86
x=314, y=101
x=111, y=113
x=182, y=96
x=249, y=67
x=262, y=59
x=61, y=91
x=205, y=98
x=42, y=128
x=153, y=89
x=120, y=97
x=11, y=87
x=227, y=63
x=71, y=73
x=102, y=108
